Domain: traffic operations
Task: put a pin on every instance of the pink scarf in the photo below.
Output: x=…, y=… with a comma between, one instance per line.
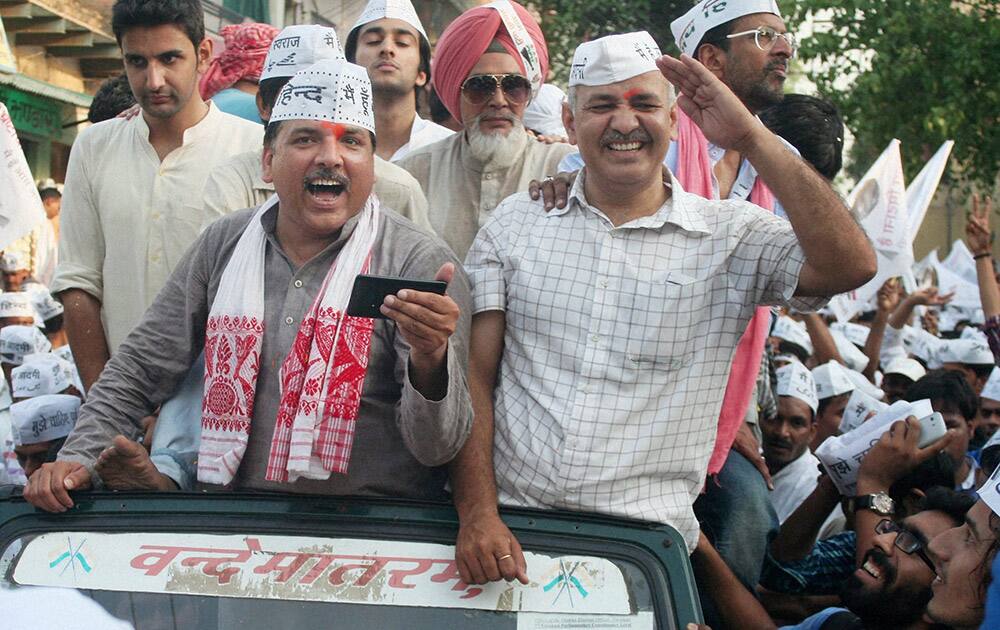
x=321, y=378
x=694, y=172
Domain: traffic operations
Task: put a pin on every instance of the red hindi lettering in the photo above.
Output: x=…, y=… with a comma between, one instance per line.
x=155, y=562
x=214, y=565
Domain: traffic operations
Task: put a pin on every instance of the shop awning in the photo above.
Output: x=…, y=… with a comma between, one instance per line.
x=65, y=29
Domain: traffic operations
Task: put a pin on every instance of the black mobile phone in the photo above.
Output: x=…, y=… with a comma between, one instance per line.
x=370, y=291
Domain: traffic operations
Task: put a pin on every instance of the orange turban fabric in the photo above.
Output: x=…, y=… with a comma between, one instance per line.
x=243, y=57
x=464, y=42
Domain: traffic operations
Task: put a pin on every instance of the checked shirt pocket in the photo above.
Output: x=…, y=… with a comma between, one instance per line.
x=661, y=320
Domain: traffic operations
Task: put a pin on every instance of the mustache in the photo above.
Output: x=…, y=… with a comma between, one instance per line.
x=881, y=560
x=636, y=135
x=325, y=173
x=504, y=115
x=778, y=442
x=776, y=64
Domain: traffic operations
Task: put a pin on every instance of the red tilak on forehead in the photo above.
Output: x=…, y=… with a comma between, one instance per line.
x=630, y=93
x=337, y=129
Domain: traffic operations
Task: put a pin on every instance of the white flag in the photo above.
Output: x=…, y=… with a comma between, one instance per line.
x=20, y=206
x=960, y=261
x=878, y=203
x=921, y=190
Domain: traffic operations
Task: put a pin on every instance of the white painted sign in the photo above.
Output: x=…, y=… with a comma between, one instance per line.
x=345, y=570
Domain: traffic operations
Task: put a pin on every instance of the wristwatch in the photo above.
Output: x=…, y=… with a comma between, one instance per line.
x=879, y=502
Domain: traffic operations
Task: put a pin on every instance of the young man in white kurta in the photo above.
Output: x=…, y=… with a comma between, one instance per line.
x=128, y=218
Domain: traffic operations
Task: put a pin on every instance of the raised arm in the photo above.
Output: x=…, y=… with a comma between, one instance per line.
x=924, y=297
x=486, y=550
x=824, y=347
x=886, y=301
x=838, y=256
x=980, y=240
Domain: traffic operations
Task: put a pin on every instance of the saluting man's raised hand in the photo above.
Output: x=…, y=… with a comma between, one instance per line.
x=722, y=117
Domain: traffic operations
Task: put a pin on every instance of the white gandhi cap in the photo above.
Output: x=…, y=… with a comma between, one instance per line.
x=832, y=379
x=332, y=90
x=44, y=418
x=796, y=380
x=391, y=9
x=298, y=47
x=613, y=59
x=707, y=14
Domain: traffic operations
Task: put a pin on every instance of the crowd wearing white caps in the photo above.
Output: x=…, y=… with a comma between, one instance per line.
x=40, y=392
x=842, y=390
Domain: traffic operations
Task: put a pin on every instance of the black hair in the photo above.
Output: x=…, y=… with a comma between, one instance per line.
x=439, y=113
x=267, y=90
x=982, y=371
x=787, y=347
x=952, y=502
x=351, y=49
x=825, y=402
x=187, y=15
x=950, y=388
x=272, y=129
x=47, y=193
x=814, y=127
x=112, y=98
x=717, y=36
x=938, y=471
x=989, y=458
x=54, y=324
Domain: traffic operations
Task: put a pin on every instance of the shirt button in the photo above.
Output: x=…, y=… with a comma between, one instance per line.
x=298, y=284
x=489, y=176
x=595, y=338
x=603, y=283
x=289, y=321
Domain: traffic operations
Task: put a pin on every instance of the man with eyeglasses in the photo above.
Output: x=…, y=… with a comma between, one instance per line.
x=485, y=81
x=890, y=588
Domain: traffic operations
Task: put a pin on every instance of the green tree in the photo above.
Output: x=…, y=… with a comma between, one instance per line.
x=923, y=71
x=566, y=23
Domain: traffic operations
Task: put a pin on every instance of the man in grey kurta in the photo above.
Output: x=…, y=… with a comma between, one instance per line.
x=402, y=437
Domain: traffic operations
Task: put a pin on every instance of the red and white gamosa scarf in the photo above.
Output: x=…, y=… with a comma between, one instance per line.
x=321, y=378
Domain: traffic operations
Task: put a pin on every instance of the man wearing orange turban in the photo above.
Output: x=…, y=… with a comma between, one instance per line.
x=487, y=65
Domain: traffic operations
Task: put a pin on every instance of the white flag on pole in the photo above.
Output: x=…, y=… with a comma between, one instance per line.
x=921, y=190
x=20, y=206
x=878, y=202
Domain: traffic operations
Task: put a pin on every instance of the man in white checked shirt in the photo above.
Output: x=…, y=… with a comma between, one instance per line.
x=603, y=332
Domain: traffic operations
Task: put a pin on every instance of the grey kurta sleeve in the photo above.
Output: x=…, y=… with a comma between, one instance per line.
x=434, y=431
x=152, y=360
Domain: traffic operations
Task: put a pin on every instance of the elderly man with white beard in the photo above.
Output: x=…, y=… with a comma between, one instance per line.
x=485, y=80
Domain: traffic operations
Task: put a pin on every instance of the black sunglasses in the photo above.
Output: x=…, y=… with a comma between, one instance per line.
x=480, y=88
x=906, y=541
